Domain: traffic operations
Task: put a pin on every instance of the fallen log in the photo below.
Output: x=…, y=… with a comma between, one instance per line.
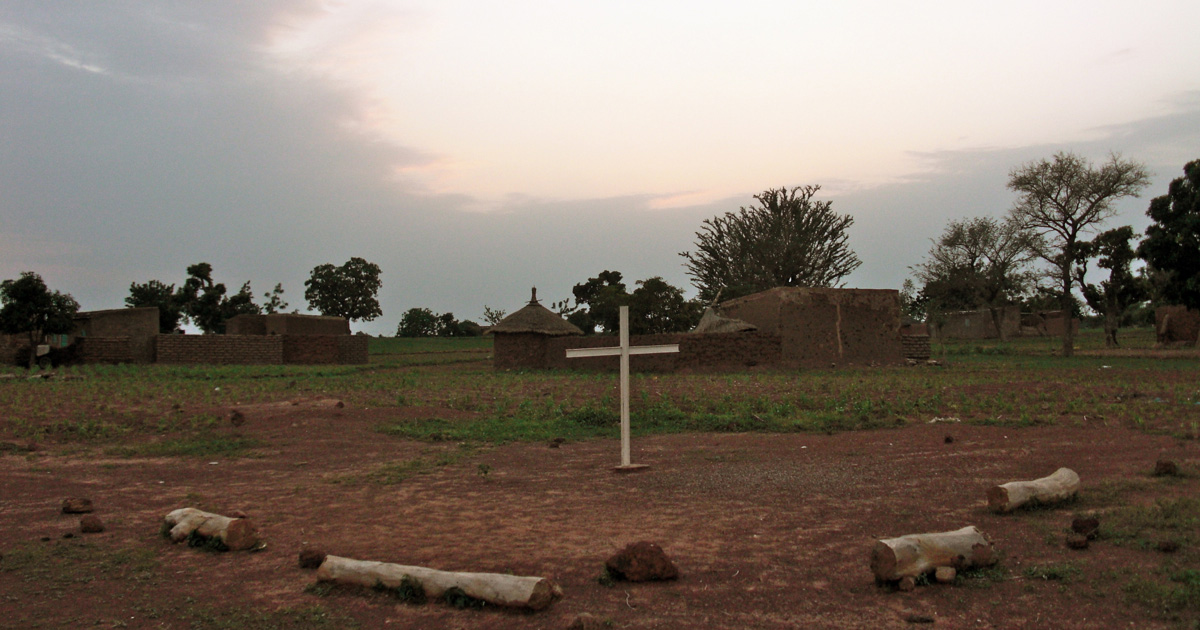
x=1060, y=486
x=494, y=588
x=917, y=554
x=235, y=533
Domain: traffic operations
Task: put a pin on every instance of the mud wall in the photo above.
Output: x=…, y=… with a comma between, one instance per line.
x=916, y=347
x=1177, y=325
x=977, y=324
x=220, y=349
x=139, y=325
x=287, y=324
x=325, y=349
x=105, y=349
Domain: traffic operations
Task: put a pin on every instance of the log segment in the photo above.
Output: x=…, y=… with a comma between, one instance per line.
x=917, y=554
x=494, y=588
x=235, y=533
x=1060, y=486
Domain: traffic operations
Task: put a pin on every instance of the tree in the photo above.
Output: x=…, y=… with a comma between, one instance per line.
x=976, y=263
x=492, y=317
x=658, y=307
x=788, y=240
x=346, y=291
x=1172, y=244
x=598, y=302
x=1063, y=199
x=274, y=300
x=418, y=322
x=1112, y=297
x=28, y=306
x=206, y=304
x=162, y=296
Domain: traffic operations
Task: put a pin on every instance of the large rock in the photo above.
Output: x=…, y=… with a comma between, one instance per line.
x=642, y=562
x=91, y=524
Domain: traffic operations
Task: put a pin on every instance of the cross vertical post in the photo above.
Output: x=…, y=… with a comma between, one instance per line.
x=623, y=351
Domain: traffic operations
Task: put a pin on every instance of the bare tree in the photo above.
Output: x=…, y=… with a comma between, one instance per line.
x=978, y=262
x=1064, y=198
x=788, y=240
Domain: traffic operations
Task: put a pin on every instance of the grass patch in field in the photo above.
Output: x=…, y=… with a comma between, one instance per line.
x=396, y=472
x=1061, y=572
x=213, y=618
x=195, y=446
x=73, y=561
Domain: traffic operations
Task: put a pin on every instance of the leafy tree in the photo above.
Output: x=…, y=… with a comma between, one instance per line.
x=976, y=263
x=274, y=300
x=418, y=322
x=658, y=307
x=347, y=291
x=600, y=299
x=28, y=306
x=1112, y=297
x=787, y=240
x=1064, y=198
x=1172, y=243
x=161, y=295
x=206, y=304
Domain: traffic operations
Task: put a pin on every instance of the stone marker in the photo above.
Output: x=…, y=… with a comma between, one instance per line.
x=76, y=505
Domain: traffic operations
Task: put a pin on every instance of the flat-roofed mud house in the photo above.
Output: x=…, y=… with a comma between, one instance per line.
x=782, y=327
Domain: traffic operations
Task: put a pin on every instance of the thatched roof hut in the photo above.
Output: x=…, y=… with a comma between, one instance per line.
x=535, y=319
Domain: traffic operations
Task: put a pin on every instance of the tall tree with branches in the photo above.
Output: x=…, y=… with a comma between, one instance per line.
x=27, y=306
x=1172, y=243
x=789, y=240
x=980, y=262
x=1065, y=198
x=1111, y=297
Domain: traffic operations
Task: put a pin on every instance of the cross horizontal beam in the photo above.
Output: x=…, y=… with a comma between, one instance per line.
x=612, y=351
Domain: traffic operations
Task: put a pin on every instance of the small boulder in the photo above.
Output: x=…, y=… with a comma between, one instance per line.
x=91, y=524
x=642, y=561
x=1077, y=541
x=949, y=439
x=587, y=621
x=311, y=558
x=1088, y=526
x=1166, y=468
x=237, y=418
x=907, y=584
x=76, y=505
x=918, y=618
x=945, y=575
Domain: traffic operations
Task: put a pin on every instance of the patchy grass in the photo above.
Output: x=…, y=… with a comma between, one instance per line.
x=72, y=561
x=194, y=446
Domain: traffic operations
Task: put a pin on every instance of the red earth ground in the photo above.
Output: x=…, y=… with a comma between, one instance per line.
x=768, y=530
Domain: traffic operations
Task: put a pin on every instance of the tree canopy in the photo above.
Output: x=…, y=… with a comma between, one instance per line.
x=162, y=296
x=207, y=304
x=655, y=306
x=1063, y=199
x=1111, y=297
x=1172, y=244
x=980, y=262
x=347, y=291
x=28, y=306
x=789, y=239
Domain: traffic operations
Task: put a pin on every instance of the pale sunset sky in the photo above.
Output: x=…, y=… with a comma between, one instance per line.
x=475, y=149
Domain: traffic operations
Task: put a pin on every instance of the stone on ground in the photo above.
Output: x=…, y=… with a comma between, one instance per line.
x=642, y=561
x=76, y=505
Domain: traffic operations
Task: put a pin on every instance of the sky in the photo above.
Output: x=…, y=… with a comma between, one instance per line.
x=475, y=149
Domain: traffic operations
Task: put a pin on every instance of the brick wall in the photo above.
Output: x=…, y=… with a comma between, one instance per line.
x=352, y=349
x=139, y=325
x=696, y=352
x=287, y=324
x=1177, y=325
x=220, y=349
x=104, y=350
x=916, y=347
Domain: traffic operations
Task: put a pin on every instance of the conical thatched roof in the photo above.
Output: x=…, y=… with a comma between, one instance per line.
x=712, y=322
x=535, y=318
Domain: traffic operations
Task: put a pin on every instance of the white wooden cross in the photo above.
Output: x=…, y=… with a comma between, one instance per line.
x=623, y=350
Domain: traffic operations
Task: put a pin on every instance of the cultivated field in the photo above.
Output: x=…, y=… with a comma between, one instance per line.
x=766, y=488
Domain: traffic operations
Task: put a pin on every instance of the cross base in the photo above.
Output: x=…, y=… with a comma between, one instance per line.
x=629, y=468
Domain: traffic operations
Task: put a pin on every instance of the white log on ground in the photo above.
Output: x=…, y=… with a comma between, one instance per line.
x=1060, y=486
x=236, y=533
x=494, y=588
x=918, y=554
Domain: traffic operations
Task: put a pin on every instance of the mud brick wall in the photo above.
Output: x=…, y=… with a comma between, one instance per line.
x=696, y=352
x=916, y=347
x=287, y=324
x=14, y=349
x=104, y=349
x=139, y=325
x=353, y=349
x=1177, y=325
x=220, y=349
x=819, y=327
x=977, y=324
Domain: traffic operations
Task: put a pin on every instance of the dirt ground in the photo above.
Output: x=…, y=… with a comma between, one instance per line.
x=768, y=530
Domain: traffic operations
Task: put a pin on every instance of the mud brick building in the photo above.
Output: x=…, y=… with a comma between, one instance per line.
x=791, y=327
